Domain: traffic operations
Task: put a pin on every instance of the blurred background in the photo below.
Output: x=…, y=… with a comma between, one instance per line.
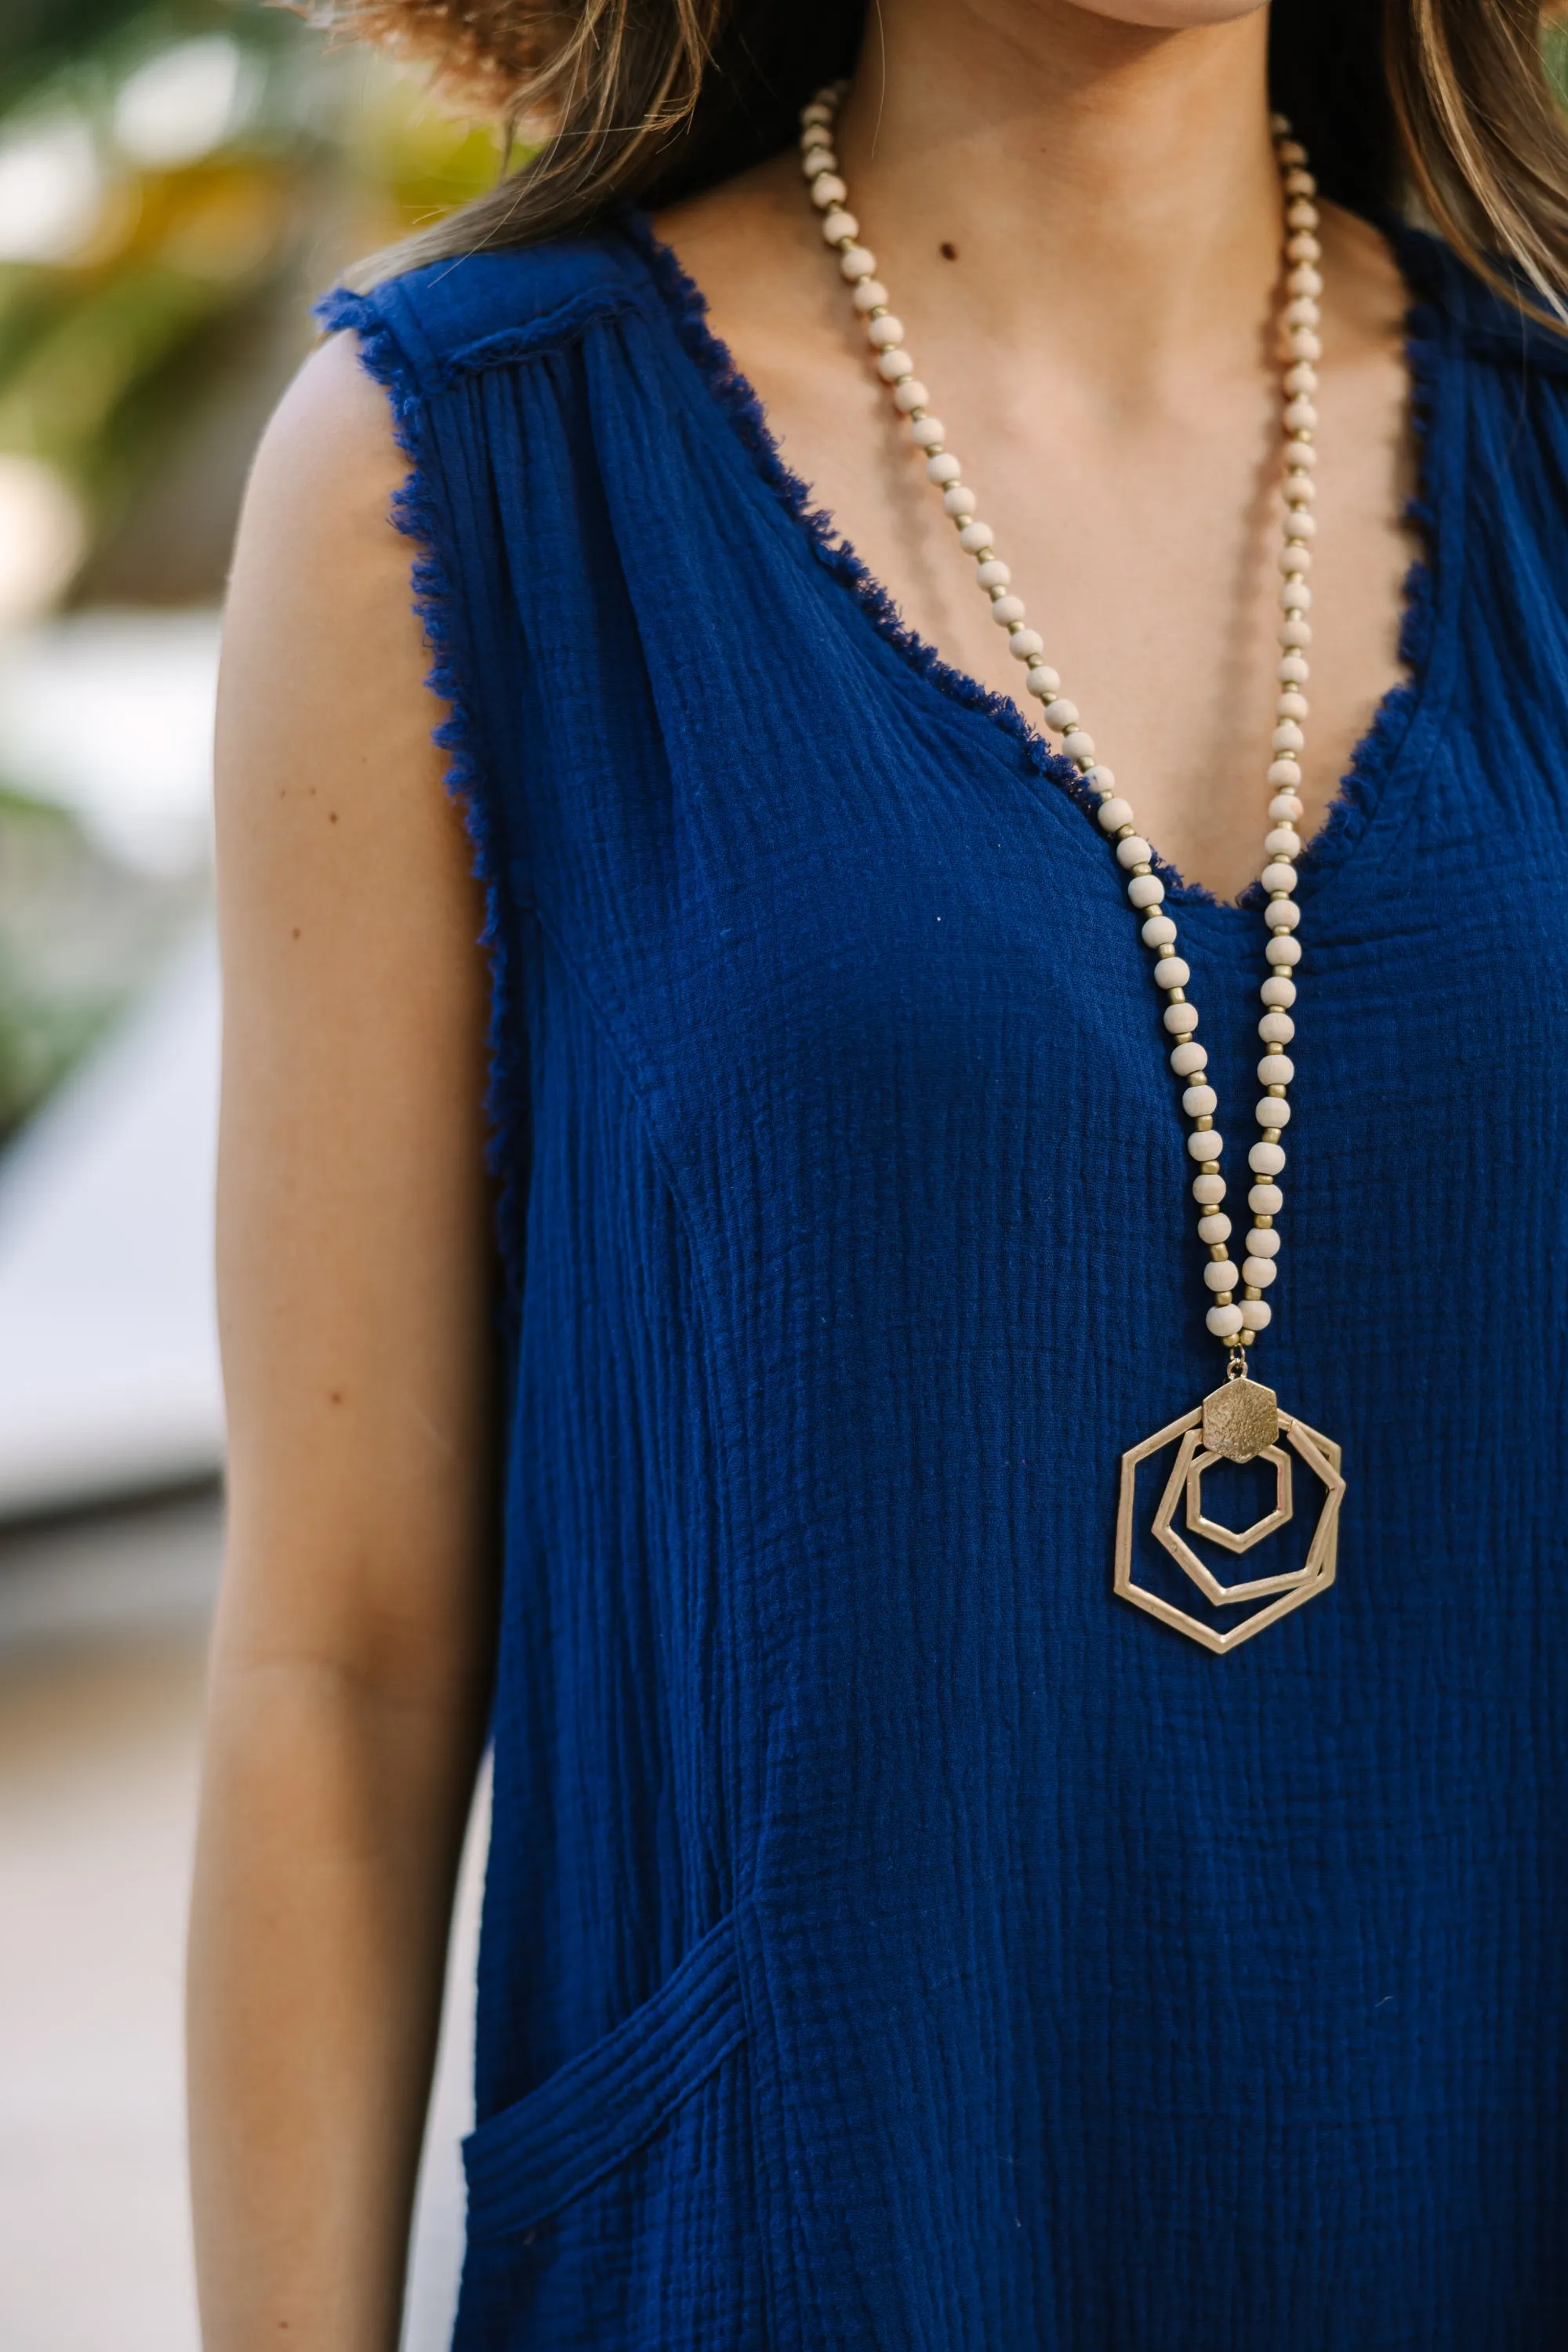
x=177, y=182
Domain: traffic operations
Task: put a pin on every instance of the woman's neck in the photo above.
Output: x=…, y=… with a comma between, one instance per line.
x=1106, y=178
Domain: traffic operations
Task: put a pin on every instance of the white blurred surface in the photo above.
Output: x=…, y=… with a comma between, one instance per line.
x=109, y=1364
x=111, y=713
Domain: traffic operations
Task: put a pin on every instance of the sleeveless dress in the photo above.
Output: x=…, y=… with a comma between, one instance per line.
x=891, y=1939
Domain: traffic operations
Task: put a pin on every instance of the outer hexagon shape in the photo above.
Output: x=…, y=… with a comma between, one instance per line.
x=1284, y=1593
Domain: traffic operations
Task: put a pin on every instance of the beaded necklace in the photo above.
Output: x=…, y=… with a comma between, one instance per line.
x=1241, y=1420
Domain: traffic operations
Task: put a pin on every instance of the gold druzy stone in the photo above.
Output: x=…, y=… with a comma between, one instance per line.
x=1240, y=1419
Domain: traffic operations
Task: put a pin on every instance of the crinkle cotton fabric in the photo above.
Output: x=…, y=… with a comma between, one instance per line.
x=892, y=1939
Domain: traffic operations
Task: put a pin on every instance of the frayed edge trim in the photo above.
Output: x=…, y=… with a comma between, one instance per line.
x=1374, y=755
x=417, y=515
x=1361, y=787
x=688, y=309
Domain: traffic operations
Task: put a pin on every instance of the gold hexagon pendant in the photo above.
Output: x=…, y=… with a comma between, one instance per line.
x=1239, y=1422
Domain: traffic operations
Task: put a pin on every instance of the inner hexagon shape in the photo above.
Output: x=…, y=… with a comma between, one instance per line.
x=1229, y=1537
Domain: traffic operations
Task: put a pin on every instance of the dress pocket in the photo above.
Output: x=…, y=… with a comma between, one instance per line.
x=587, y=2118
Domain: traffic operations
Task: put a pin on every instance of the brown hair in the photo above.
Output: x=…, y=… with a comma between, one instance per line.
x=650, y=100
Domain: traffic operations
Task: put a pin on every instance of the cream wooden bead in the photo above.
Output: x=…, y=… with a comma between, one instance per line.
x=1300, y=322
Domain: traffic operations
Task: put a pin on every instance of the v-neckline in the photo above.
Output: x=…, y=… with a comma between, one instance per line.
x=1429, y=590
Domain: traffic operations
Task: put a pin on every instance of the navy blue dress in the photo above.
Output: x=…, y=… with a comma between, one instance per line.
x=891, y=1939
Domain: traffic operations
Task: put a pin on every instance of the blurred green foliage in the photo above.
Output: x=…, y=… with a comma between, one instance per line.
x=109, y=347
x=139, y=348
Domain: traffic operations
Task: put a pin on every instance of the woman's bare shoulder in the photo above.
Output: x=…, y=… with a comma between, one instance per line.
x=325, y=474
x=323, y=656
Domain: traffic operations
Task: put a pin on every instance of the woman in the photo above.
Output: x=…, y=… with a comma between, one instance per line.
x=892, y=1936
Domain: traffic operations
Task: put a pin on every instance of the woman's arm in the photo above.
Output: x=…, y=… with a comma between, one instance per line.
x=352, y=1655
